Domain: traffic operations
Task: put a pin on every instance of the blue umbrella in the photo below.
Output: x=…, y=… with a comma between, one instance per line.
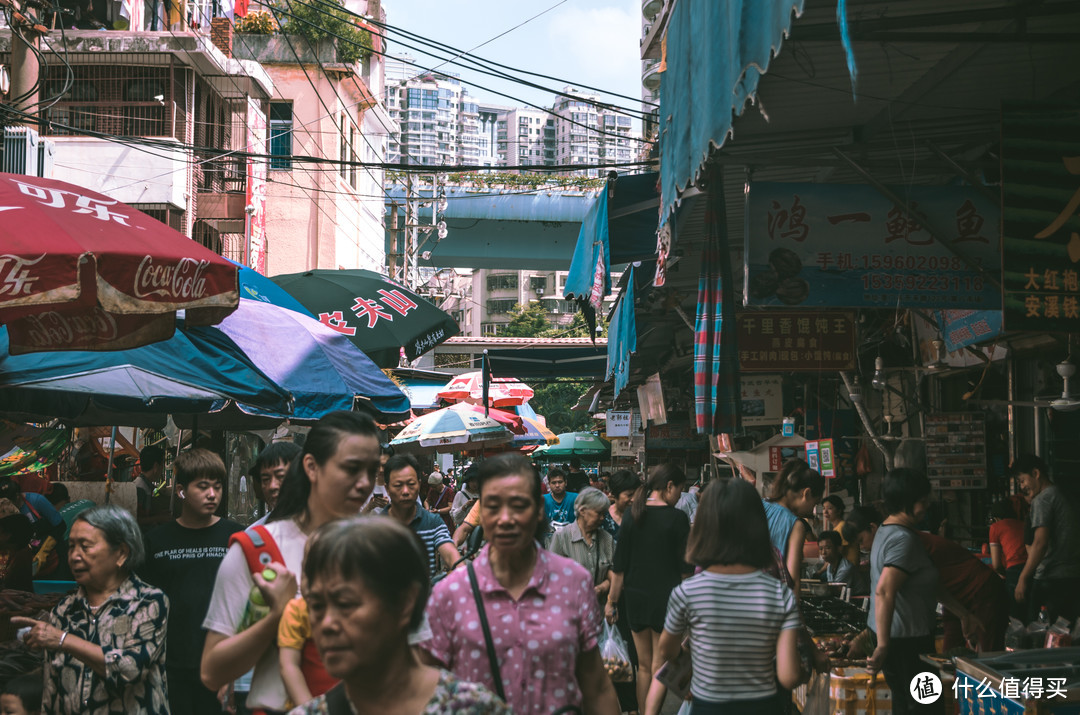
x=197, y=370
x=321, y=368
x=256, y=286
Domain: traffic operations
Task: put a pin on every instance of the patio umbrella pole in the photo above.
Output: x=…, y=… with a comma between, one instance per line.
x=109, y=471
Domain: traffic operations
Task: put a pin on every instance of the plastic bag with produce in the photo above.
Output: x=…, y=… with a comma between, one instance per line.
x=616, y=655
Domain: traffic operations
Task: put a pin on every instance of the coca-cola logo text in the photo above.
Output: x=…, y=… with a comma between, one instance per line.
x=56, y=330
x=185, y=280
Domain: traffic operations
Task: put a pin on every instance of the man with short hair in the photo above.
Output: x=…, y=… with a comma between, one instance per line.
x=558, y=503
x=182, y=560
x=269, y=472
x=151, y=471
x=576, y=480
x=402, y=486
x=1051, y=576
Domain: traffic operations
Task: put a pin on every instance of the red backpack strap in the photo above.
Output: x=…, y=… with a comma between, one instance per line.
x=260, y=549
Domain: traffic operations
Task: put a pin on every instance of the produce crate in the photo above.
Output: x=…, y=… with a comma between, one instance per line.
x=852, y=691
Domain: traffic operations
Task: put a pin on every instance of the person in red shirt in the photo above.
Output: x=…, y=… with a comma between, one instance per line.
x=1007, y=550
x=975, y=586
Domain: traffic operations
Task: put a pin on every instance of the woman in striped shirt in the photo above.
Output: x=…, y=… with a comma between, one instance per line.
x=741, y=622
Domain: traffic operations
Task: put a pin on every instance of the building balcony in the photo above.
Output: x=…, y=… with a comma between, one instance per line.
x=650, y=76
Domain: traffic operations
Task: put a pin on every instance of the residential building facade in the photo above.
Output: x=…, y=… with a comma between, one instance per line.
x=320, y=218
x=176, y=89
x=483, y=301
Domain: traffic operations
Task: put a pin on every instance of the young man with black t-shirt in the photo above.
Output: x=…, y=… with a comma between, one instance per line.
x=182, y=560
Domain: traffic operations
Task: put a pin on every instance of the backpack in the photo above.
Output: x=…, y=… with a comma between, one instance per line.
x=260, y=550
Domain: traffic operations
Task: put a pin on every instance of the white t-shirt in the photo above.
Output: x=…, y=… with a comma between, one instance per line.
x=231, y=592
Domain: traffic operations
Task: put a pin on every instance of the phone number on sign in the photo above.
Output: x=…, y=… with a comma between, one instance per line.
x=915, y=281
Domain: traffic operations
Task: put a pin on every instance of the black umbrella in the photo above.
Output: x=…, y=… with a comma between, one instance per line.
x=381, y=317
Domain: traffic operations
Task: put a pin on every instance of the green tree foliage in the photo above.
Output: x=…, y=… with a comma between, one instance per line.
x=317, y=22
x=528, y=321
x=555, y=399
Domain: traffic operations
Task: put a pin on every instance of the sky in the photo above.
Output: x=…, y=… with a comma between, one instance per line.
x=592, y=42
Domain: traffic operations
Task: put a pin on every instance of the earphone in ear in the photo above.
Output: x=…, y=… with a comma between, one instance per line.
x=181, y=492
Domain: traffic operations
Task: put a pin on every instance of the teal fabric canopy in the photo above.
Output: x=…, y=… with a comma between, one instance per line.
x=717, y=51
x=622, y=337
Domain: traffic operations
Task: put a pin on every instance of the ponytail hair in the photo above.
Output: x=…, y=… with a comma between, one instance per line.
x=322, y=444
x=795, y=476
x=658, y=480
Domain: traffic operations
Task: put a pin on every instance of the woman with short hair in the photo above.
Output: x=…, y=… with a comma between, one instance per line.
x=105, y=641
x=741, y=621
x=367, y=586
x=541, y=613
x=585, y=542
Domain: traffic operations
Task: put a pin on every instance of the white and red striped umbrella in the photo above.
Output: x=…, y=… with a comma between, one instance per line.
x=502, y=391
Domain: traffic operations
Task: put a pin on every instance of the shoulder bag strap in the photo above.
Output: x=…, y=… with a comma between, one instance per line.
x=493, y=660
x=337, y=703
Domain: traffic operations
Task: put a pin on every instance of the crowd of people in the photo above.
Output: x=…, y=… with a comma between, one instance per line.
x=369, y=587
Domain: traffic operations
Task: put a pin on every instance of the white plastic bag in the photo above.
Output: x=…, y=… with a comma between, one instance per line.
x=616, y=655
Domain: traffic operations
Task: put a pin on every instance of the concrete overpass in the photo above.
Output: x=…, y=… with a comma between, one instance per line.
x=491, y=228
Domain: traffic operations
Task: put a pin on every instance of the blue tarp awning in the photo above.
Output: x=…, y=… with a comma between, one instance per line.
x=622, y=337
x=620, y=227
x=716, y=54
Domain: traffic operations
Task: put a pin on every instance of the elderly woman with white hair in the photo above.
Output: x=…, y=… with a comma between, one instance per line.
x=585, y=542
x=104, y=642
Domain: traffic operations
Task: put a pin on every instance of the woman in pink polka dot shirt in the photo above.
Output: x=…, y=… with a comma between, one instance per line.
x=541, y=608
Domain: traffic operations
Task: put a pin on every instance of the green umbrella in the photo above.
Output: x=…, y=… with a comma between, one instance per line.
x=575, y=444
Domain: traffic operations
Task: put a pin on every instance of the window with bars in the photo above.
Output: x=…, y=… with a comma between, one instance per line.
x=501, y=306
x=502, y=281
x=281, y=136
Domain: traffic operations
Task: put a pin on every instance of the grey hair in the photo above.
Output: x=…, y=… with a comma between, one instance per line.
x=120, y=529
x=591, y=498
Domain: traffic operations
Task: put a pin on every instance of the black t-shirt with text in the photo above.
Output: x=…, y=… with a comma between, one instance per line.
x=183, y=563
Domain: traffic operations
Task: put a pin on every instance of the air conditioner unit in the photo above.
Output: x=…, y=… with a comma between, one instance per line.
x=46, y=158
x=555, y=309
x=20, y=151
x=539, y=292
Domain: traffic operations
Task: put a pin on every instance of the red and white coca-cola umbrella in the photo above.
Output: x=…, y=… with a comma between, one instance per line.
x=82, y=271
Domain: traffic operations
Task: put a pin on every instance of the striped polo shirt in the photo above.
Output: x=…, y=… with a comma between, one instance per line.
x=431, y=530
x=734, y=621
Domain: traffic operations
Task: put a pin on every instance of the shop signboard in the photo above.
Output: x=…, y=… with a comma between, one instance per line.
x=836, y=245
x=618, y=424
x=762, y=400
x=675, y=435
x=1040, y=255
x=622, y=447
x=796, y=341
x=961, y=328
x=776, y=459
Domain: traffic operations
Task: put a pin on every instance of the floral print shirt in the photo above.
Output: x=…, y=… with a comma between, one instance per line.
x=451, y=696
x=130, y=628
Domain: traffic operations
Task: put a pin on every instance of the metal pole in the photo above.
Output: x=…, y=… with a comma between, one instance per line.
x=392, y=262
x=25, y=69
x=109, y=471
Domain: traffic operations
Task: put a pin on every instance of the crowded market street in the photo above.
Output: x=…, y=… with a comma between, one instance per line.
x=608, y=357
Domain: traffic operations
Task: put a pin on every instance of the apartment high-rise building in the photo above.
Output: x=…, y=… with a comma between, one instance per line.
x=439, y=120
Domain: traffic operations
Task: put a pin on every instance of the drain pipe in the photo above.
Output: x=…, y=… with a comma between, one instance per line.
x=856, y=400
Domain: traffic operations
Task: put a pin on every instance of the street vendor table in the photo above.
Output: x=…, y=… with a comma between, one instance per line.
x=1038, y=682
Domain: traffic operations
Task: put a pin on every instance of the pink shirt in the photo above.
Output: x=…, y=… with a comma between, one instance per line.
x=537, y=638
